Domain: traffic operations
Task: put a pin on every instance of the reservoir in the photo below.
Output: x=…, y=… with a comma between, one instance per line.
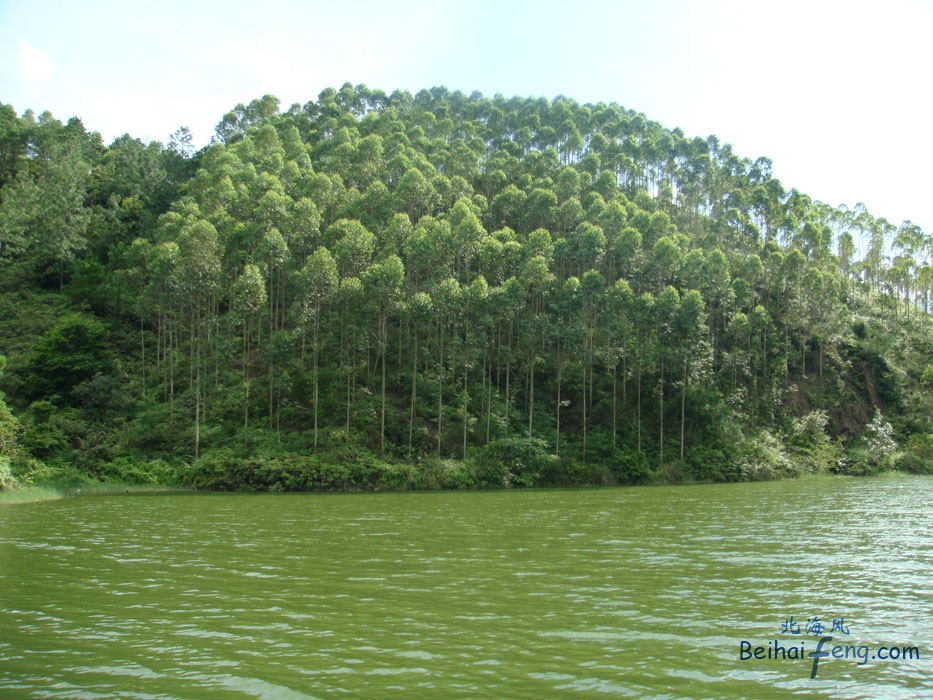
x=591, y=593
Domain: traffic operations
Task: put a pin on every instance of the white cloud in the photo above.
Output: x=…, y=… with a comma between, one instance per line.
x=34, y=65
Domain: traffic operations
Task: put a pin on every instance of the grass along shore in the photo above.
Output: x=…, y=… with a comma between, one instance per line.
x=32, y=493
x=35, y=493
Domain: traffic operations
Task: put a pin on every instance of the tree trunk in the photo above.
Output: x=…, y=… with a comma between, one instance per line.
x=557, y=439
x=246, y=376
x=683, y=404
x=314, y=350
x=531, y=388
x=584, y=398
x=440, y=389
x=488, y=395
x=414, y=395
x=508, y=367
x=466, y=374
x=661, y=430
x=638, y=398
x=197, y=397
x=382, y=422
x=614, y=373
x=171, y=374
x=142, y=346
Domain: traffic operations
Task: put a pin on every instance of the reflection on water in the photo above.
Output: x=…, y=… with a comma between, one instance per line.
x=638, y=592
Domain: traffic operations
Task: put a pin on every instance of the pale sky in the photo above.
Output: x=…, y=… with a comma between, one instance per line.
x=836, y=94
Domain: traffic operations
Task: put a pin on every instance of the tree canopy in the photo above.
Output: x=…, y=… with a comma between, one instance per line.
x=429, y=275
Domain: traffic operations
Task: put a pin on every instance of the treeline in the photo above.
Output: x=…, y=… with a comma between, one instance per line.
x=395, y=279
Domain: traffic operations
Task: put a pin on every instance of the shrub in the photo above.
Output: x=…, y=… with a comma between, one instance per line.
x=762, y=457
x=134, y=471
x=447, y=474
x=812, y=448
x=631, y=467
x=513, y=461
x=73, y=352
x=710, y=464
x=7, y=480
x=917, y=457
x=879, y=443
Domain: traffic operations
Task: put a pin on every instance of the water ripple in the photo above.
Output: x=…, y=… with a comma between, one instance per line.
x=612, y=592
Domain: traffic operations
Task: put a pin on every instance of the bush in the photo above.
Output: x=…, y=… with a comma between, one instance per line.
x=879, y=443
x=7, y=480
x=856, y=462
x=630, y=467
x=398, y=477
x=812, y=448
x=132, y=471
x=224, y=470
x=917, y=457
x=513, y=461
x=710, y=464
x=565, y=472
x=73, y=352
x=446, y=474
x=762, y=457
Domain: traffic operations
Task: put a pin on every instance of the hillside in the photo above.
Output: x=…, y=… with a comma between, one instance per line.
x=380, y=290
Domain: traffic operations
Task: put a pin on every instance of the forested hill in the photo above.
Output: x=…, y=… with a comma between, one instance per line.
x=442, y=290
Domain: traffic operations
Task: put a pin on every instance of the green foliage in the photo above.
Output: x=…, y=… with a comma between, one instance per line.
x=810, y=445
x=225, y=470
x=90, y=285
x=447, y=276
x=917, y=457
x=74, y=351
x=762, y=457
x=129, y=470
x=880, y=448
x=513, y=461
x=7, y=480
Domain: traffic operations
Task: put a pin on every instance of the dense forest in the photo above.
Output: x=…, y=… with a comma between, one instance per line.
x=444, y=290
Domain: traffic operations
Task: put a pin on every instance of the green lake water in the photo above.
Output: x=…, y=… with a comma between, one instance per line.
x=596, y=593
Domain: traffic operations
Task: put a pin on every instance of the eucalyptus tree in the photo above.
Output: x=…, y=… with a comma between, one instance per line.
x=589, y=244
x=645, y=325
x=353, y=245
x=350, y=299
x=419, y=309
x=909, y=240
x=535, y=280
x=665, y=310
x=273, y=255
x=160, y=264
x=618, y=332
x=567, y=306
x=665, y=262
x=846, y=249
x=136, y=261
x=447, y=302
x=539, y=209
x=626, y=253
x=507, y=208
x=198, y=283
x=249, y=296
x=689, y=329
x=317, y=285
x=468, y=235
x=475, y=298
x=413, y=194
x=592, y=289
x=383, y=281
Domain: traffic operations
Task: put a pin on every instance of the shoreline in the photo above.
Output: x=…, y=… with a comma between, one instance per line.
x=38, y=493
